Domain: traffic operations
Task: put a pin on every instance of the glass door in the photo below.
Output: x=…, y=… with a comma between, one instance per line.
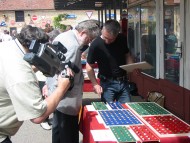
x=172, y=43
x=134, y=32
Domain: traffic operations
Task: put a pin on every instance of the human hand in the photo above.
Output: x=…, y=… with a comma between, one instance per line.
x=45, y=91
x=69, y=72
x=98, y=89
x=63, y=82
x=35, y=69
x=83, y=55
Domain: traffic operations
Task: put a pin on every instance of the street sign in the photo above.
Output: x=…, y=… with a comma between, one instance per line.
x=3, y=23
x=89, y=14
x=12, y=22
x=34, y=17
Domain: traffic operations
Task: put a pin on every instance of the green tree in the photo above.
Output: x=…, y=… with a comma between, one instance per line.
x=58, y=19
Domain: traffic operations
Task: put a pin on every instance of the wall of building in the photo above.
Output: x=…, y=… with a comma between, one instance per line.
x=177, y=99
x=26, y=4
x=39, y=18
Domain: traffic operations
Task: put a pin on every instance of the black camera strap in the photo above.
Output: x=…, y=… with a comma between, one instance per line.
x=21, y=49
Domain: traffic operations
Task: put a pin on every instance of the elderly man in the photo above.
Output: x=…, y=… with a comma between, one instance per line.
x=65, y=128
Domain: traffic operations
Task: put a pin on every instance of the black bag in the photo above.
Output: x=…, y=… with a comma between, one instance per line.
x=133, y=89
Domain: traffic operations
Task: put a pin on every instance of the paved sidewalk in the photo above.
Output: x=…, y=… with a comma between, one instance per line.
x=34, y=133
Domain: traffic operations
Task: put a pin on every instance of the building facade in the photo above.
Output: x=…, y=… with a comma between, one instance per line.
x=158, y=32
x=16, y=14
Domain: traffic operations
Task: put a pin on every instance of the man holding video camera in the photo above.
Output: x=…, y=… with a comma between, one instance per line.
x=20, y=95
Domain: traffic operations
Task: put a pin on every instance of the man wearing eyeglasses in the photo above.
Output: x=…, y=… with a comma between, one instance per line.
x=110, y=51
x=65, y=127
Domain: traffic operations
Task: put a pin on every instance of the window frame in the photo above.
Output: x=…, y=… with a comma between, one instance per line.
x=19, y=16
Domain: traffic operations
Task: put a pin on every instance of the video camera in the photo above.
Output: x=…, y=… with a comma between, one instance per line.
x=49, y=58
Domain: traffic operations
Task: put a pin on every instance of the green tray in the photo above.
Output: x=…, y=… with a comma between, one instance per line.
x=122, y=134
x=148, y=108
x=99, y=105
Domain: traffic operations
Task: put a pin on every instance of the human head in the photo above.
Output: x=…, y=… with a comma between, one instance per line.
x=48, y=28
x=47, y=25
x=6, y=32
x=68, y=27
x=87, y=31
x=14, y=32
x=110, y=31
x=29, y=33
x=53, y=34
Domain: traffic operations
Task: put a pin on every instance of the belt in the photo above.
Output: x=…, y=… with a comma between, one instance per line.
x=121, y=78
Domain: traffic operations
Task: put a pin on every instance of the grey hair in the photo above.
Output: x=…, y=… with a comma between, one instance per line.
x=112, y=26
x=90, y=26
x=53, y=34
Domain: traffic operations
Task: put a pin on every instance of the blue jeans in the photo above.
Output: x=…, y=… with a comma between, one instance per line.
x=115, y=90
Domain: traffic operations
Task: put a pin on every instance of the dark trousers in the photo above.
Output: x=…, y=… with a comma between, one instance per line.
x=65, y=128
x=7, y=140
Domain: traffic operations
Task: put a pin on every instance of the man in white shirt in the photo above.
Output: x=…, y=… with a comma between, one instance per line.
x=20, y=95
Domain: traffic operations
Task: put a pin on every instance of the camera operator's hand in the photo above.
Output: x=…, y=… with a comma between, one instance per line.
x=70, y=72
x=63, y=82
x=54, y=99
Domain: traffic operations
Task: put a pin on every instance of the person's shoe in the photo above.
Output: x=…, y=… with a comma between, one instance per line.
x=45, y=126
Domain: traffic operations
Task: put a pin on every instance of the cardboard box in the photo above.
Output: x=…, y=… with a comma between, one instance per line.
x=140, y=65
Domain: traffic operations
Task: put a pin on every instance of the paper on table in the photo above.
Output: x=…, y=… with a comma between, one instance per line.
x=90, y=108
x=139, y=65
x=103, y=135
x=100, y=120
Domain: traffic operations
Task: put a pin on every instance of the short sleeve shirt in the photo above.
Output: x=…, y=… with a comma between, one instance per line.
x=109, y=56
x=72, y=100
x=20, y=95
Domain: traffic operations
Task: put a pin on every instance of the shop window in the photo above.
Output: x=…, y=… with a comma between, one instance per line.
x=19, y=16
x=134, y=32
x=171, y=40
x=148, y=35
x=142, y=34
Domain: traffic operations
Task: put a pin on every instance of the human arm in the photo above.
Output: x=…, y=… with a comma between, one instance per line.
x=84, y=54
x=129, y=58
x=91, y=75
x=45, y=91
x=53, y=100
